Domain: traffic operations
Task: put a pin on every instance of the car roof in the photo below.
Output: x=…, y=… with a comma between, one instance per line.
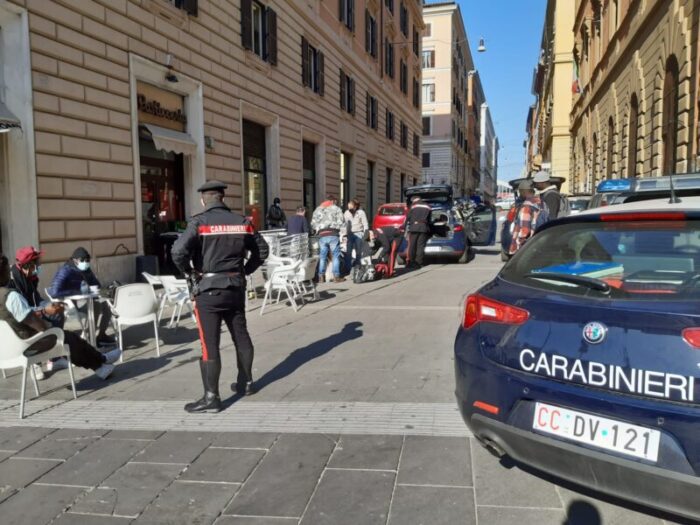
x=661, y=205
x=388, y=204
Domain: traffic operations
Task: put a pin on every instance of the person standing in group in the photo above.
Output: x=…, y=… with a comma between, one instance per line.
x=550, y=195
x=214, y=247
x=526, y=218
x=327, y=222
x=357, y=228
x=297, y=223
x=418, y=224
x=276, y=217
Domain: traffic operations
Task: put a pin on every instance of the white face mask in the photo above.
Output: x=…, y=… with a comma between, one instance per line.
x=82, y=266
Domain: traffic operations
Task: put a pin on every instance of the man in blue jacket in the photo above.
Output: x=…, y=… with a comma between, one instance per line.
x=68, y=281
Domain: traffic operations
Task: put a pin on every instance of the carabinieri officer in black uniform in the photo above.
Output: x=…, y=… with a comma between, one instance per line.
x=214, y=248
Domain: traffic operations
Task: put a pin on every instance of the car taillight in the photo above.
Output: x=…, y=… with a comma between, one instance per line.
x=458, y=228
x=644, y=216
x=511, y=214
x=692, y=337
x=482, y=309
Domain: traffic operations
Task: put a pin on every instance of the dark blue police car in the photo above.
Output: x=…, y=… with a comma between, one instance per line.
x=582, y=357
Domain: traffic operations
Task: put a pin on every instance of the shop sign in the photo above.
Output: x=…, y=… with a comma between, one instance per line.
x=160, y=107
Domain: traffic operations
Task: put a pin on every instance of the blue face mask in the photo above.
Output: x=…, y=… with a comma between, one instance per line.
x=83, y=266
x=37, y=270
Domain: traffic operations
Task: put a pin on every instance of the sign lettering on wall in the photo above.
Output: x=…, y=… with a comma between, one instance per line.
x=160, y=107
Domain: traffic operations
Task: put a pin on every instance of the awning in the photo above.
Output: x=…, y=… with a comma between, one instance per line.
x=171, y=140
x=7, y=119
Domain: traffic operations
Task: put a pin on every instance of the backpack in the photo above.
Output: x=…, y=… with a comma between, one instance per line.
x=564, y=207
x=275, y=213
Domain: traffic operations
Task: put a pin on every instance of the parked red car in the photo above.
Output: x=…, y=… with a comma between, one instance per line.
x=390, y=214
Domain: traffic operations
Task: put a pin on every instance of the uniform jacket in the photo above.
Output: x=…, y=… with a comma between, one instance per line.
x=418, y=218
x=217, y=241
x=68, y=280
x=327, y=219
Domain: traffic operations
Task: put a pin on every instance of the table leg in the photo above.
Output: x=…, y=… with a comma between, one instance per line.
x=91, y=321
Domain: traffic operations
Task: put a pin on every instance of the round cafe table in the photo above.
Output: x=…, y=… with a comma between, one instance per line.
x=89, y=299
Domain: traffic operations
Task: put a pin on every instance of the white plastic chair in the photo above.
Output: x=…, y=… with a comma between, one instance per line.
x=135, y=304
x=155, y=282
x=177, y=295
x=12, y=355
x=72, y=311
x=304, y=278
x=281, y=279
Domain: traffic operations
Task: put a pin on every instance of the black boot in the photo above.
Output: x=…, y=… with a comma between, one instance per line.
x=210, y=402
x=246, y=388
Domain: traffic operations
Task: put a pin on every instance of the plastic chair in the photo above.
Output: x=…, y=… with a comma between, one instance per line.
x=12, y=355
x=135, y=304
x=281, y=280
x=177, y=295
x=304, y=278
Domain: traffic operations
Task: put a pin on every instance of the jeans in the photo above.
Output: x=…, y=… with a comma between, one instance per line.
x=329, y=243
x=354, y=243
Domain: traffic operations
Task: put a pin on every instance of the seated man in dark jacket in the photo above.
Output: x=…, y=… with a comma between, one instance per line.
x=16, y=311
x=68, y=281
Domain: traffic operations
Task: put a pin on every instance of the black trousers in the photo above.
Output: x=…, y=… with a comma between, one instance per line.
x=227, y=305
x=82, y=353
x=416, y=247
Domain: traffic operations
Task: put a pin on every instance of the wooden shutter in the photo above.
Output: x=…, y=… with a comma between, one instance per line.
x=247, y=24
x=351, y=98
x=341, y=10
x=351, y=15
x=320, y=67
x=271, y=36
x=375, y=113
x=305, y=76
x=343, y=90
x=190, y=6
x=369, y=110
x=368, y=33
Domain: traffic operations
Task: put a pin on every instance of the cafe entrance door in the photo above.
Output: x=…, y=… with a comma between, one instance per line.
x=162, y=203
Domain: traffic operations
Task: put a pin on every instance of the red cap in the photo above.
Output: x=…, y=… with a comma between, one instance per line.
x=27, y=254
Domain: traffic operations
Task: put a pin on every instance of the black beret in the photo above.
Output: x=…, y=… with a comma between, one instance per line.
x=212, y=185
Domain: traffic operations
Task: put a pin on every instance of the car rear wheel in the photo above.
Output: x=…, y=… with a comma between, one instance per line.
x=504, y=256
x=467, y=256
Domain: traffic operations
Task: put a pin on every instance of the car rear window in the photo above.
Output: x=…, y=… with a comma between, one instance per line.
x=657, y=260
x=392, y=210
x=578, y=204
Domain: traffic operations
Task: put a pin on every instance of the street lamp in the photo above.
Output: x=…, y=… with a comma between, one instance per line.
x=482, y=45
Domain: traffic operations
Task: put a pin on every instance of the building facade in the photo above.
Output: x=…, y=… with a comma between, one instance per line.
x=127, y=106
x=446, y=62
x=488, y=156
x=549, y=136
x=635, y=99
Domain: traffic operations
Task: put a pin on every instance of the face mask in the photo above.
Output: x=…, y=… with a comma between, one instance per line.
x=37, y=270
x=83, y=265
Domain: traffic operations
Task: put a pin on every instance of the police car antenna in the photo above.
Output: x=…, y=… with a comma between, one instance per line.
x=674, y=199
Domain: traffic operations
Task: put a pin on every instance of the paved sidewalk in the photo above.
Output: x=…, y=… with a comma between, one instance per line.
x=97, y=477
x=355, y=423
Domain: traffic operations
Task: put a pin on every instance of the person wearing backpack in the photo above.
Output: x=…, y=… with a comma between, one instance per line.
x=531, y=214
x=557, y=204
x=275, y=216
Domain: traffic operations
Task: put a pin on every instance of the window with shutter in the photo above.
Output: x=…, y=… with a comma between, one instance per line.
x=416, y=41
x=351, y=95
x=346, y=13
x=368, y=102
x=375, y=114
x=416, y=93
x=426, y=160
x=190, y=7
x=368, y=32
x=247, y=23
x=416, y=145
x=426, y=126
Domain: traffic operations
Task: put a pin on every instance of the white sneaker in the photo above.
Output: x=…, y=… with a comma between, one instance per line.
x=112, y=356
x=59, y=364
x=38, y=372
x=104, y=371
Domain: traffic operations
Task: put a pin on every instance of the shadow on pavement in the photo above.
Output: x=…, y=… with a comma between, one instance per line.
x=133, y=368
x=582, y=513
x=301, y=356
